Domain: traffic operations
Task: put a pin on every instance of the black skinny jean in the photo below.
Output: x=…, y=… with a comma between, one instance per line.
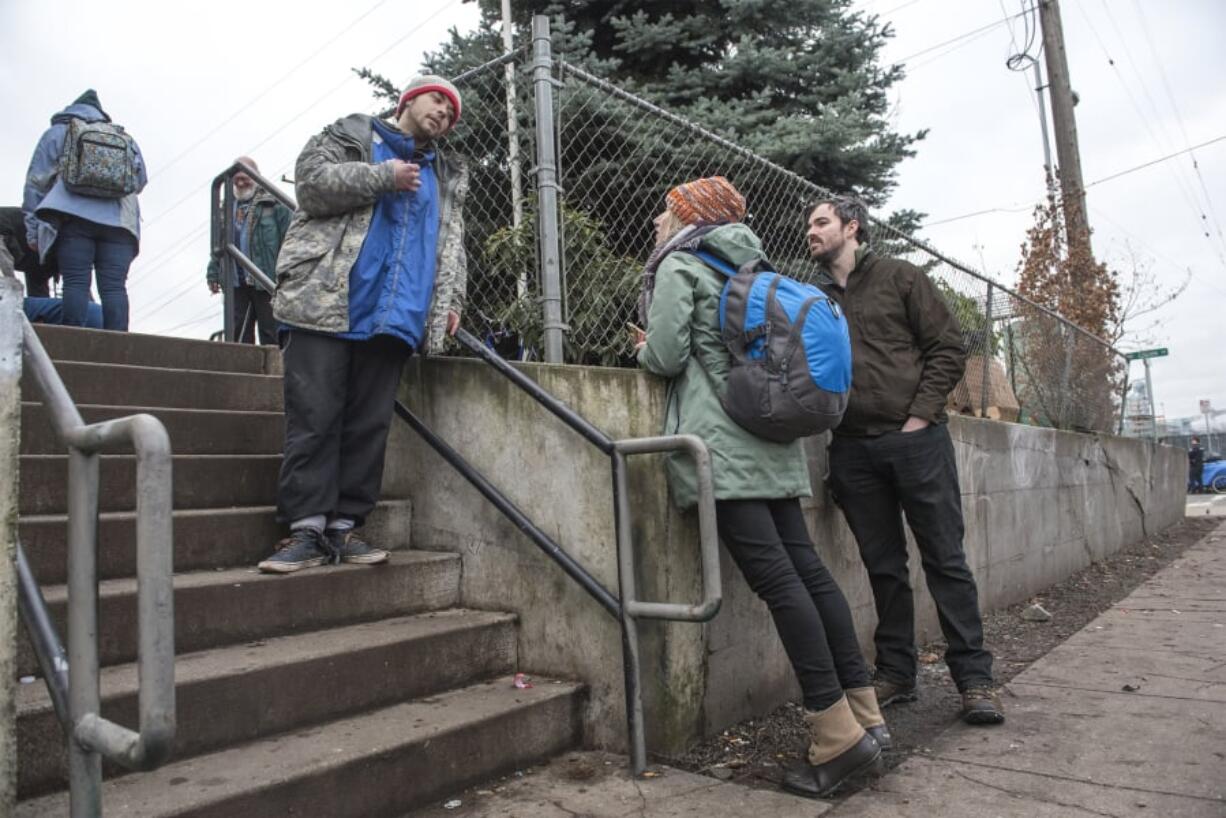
x=770, y=544
x=876, y=480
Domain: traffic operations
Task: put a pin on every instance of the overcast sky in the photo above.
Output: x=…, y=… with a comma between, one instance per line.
x=198, y=84
x=984, y=152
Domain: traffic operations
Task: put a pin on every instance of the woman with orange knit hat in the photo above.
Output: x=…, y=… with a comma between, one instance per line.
x=758, y=482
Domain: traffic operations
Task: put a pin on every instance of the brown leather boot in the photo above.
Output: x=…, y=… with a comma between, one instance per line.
x=863, y=701
x=839, y=749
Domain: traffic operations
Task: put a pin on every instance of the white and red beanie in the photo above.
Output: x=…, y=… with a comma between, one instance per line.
x=425, y=83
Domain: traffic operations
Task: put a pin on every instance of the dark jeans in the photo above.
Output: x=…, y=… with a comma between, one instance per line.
x=252, y=309
x=873, y=480
x=338, y=407
x=83, y=248
x=769, y=543
x=1195, y=479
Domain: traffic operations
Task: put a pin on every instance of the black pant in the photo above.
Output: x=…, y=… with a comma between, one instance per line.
x=1196, y=479
x=768, y=541
x=338, y=407
x=873, y=479
x=253, y=308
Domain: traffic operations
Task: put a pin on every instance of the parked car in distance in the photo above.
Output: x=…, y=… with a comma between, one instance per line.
x=1213, y=477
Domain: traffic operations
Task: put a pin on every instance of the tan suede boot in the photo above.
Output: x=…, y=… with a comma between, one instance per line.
x=863, y=701
x=839, y=749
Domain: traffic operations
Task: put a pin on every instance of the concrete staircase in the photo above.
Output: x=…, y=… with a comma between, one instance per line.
x=337, y=691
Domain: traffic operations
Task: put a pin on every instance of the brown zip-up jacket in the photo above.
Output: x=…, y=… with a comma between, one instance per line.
x=906, y=346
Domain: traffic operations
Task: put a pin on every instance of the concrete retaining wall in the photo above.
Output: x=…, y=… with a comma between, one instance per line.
x=1039, y=505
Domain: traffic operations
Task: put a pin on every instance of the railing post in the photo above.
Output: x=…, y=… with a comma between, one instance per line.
x=84, y=699
x=627, y=593
x=547, y=191
x=228, y=269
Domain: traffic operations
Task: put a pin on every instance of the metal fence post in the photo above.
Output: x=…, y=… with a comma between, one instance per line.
x=985, y=370
x=547, y=191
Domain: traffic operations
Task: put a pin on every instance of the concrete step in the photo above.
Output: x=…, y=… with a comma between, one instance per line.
x=382, y=763
x=200, y=481
x=233, y=695
x=204, y=539
x=214, y=608
x=192, y=431
x=124, y=385
x=135, y=349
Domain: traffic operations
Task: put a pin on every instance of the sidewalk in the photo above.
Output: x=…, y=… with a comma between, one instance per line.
x=1213, y=505
x=1126, y=718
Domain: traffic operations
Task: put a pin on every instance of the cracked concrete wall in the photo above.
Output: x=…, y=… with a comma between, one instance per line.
x=1039, y=505
x=10, y=421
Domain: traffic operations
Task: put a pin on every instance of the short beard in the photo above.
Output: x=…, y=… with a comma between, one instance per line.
x=824, y=257
x=246, y=195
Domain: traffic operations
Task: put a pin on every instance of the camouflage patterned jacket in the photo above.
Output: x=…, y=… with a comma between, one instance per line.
x=337, y=187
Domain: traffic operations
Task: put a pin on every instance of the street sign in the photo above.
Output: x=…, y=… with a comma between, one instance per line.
x=1205, y=408
x=1141, y=355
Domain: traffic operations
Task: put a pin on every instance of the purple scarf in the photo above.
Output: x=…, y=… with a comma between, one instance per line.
x=687, y=238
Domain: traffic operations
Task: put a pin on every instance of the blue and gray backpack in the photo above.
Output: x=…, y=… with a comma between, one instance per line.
x=791, y=352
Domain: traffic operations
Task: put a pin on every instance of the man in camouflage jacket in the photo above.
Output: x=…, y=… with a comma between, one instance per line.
x=371, y=269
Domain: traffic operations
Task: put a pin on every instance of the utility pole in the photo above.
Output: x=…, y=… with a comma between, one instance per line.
x=1064, y=121
x=1048, y=171
x=1153, y=406
x=517, y=190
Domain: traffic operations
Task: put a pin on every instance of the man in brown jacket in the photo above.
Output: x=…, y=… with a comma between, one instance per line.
x=892, y=455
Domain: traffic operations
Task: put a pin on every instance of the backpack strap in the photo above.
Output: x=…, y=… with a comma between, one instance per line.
x=739, y=343
x=798, y=328
x=714, y=262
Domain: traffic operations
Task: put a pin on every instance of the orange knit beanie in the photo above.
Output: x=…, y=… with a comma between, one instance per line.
x=713, y=199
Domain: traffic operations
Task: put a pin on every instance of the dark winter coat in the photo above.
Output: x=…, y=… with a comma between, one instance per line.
x=906, y=346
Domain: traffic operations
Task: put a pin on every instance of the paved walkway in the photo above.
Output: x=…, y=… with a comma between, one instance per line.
x=1126, y=718
x=1213, y=505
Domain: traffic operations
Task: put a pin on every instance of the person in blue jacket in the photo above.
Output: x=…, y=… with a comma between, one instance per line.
x=372, y=269
x=87, y=234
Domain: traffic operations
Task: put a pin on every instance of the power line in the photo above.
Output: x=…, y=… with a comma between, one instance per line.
x=985, y=212
x=913, y=67
x=1155, y=161
x=1184, y=185
x=1098, y=214
x=1170, y=97
x=200, y=318
x=269, y=88
x=315, y=102
x=962, y=36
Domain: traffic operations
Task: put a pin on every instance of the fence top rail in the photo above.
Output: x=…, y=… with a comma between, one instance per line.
x=817, y=190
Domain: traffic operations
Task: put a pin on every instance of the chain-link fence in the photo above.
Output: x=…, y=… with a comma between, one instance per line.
x=616, y=157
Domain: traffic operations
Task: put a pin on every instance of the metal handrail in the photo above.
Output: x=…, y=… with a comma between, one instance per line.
x=222, y=239
x=91, y=737
x=625, y=607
